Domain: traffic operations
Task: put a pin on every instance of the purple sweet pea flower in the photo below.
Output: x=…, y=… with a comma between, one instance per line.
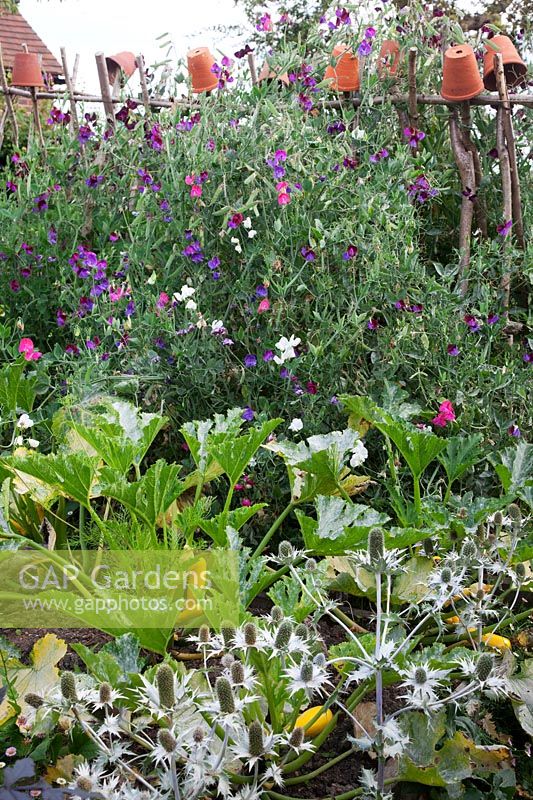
x=250, y=360
x=453, y=350
x=248, y=414
x=504, y=228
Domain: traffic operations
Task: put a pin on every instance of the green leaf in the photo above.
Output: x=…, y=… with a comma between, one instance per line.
x=17, y=392
x=234, y=454
x=339, y=526
x=216, y=526
x=101, y=665
x=125, y=650
x=72, y=475
x=412, y=584
x=514, y=466
x=418, y=447
x=461, y=453
x=148, y=498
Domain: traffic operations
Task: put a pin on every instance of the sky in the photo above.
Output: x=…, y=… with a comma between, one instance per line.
x=89, y=26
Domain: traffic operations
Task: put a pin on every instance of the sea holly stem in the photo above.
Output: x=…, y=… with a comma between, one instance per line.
x=417, y=499
x=379, y=690
x=272, y=530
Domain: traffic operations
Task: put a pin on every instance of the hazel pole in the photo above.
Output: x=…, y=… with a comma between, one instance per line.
x=103, y=77
x=144, y=87
x=253, y=71
x=465, y=165
x=516, y=200
x=70, y=91
x=480, y=208
x=412, y=98
x=9, y=102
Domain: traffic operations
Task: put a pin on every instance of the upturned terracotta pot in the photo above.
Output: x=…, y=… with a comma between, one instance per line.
x=344, y=75
x=389, y=59
x=124, y=61
x=269, y=74
x=27, y=70
x=513, y=67
x=460, y=77
x=199, y=63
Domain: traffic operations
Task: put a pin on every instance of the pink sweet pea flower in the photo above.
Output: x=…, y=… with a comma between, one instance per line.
x=196, y=191
x=264, y=305
x=446, y=414
x=284, y=199
x=28, y=350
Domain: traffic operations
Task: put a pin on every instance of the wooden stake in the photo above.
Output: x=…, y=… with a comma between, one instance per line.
x=507, y=192
x=107, y=100
x=465, y=165
x=412, y=99
x=70, y=91
x=36, y=117
x=516, y=200
x=144, y=87
x=253, y=71
x=3, y=120
x=75, y=71
x=9, y=102
x=480, y=207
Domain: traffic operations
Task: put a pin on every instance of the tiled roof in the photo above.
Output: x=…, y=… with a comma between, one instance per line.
x=14, y=32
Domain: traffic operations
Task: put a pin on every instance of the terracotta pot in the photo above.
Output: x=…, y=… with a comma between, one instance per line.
x=344, y=75
x=389, y=59
x=513, y=67
x=460, y=77
x=124, y=61
x=269, y=74
x=199, y=63
x=27, y=70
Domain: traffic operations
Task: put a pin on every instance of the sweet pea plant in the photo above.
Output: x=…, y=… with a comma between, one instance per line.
x=218, y=256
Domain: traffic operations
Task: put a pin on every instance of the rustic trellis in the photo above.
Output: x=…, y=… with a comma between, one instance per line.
x=460, y=123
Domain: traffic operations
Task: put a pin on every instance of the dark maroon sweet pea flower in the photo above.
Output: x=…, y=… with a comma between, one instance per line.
x=336, y=127
x=472, y=323
x=114, y=237
x=493, y=152
x=514, y=430
x=85, y=133
x=72, y=350
x=61, y=318
x=415, y=308
x=372, y=324
x=400, y=305
x=453, y=350
x=308, y=253
x=52, y=236
x=470, y=194
x=11, y=187
x=492, y=319
x=351, y=252
x=414, y=136
x=235, y=220
x=350, y=163
x=311, y=387
x=94, y=180
x=245, y=51
x=14, y=286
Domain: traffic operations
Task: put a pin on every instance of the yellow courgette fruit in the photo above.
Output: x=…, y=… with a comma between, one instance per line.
x=318, y=725
x=496, y=642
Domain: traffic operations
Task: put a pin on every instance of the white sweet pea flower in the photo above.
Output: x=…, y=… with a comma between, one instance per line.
x=235, y=242
x=19, y=441
x=33, y=443
x=251, y=234
x=296, y=424
x=217, y=326
x=247, y=223
x=24, y=422
x=191, y=305
x=286, y=348
x=360, y=454
x=184, y=294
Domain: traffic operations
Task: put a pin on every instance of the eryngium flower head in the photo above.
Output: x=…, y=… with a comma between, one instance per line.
x=468, y=550
x=237, y=672
x=165, y=684
x=520, y=571
x=277, y=614
x=484, y=666
x=429, y=548
x=515, y=513
x=225, y=695
x=297, y=737
x=166, y=740
x=33, y=700
x=250, y=634
x=68, y=687
x=285, y=551
x=204, y=634
x=228, y=633
x=283, y=635
x=306, y=671
x=104, y=693
x=255, y=738
x=376, y=545
x=301, y=631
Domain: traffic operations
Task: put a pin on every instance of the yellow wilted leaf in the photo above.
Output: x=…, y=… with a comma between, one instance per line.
x=41, y=676
x=63, y=768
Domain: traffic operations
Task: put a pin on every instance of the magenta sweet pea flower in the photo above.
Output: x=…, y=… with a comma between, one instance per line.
x=28, y=350
x=446, y=414
x=514, y=430
x=453, y=350
x=505, y=227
